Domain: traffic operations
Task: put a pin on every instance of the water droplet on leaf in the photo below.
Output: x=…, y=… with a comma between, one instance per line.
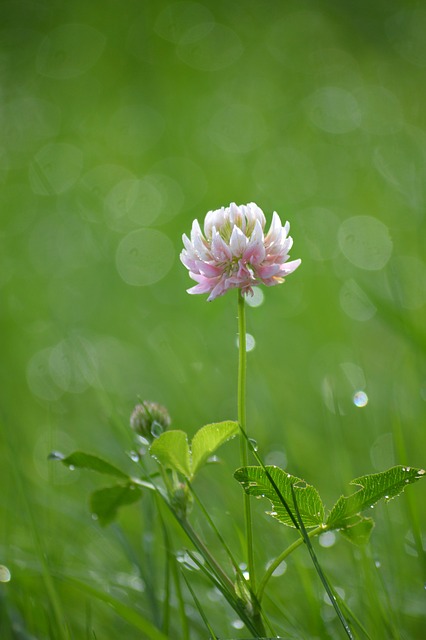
x=254, y=444
x=55, y=455
x=133, y=455
x=156, y=429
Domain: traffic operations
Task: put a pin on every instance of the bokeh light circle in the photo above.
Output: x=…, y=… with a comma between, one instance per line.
x=144, y=257
x=360, y=399
x=333, y=110
x=69, y=50
x=174, y=22
x=55, y=168
x=355, y=302
x=365, y=242
x=209, y=47
x=407, y=276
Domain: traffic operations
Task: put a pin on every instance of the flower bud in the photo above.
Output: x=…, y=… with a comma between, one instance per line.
x=181, y=500
x=149, y=420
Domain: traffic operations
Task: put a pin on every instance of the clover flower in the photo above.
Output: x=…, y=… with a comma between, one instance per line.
x=234, y=252
x=149, y=419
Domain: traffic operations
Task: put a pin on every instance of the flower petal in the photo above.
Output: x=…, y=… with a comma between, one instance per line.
x=238, y=242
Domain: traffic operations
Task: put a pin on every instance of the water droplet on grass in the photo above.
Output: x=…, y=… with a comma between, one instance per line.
x=5, y=574
x=237, y=624
x=253, y=443
x=185, y=559
x=55, y=455
x=133, y=455
x=360, y=399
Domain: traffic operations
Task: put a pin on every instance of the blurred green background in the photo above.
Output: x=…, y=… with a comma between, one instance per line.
x=120, y=123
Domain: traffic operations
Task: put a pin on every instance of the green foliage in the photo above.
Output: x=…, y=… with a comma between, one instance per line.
x=346, y=513
x=105, y=502
x=172, y=450
x=81, y=460
x=374, y=487
x=359, y=532
x=256, y=482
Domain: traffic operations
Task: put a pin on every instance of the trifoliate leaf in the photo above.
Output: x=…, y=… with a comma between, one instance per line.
x=387, y=484
x=208, y=439
x=359, y=532
x=256, y=482
x=171, y=448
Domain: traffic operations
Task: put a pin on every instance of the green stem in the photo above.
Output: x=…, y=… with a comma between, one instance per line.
x=216, y=531
x=242, y=367
x=276, y=563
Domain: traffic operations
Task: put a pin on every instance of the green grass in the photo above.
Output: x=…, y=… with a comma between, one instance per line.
x=122, y=117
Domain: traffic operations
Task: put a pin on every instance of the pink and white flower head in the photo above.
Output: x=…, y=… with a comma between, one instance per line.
x=235, y=253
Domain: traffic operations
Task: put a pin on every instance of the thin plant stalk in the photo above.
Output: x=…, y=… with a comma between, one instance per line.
x=242, y=369
x=279, y=559
x=200, y=608
x=320, y=572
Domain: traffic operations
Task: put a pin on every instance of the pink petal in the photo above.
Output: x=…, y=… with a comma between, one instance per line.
x=289, y=267
x=219, y=249
x=237, y=242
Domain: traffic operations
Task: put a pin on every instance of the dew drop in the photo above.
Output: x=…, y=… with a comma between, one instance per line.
x=253, y=444
x=327, y=539
x=95, y=516
x=156, y=429
x=360, y=399
x=377, y=564
x=71, y=467
x=55, y=455
x=189, y=563
x=133, y=455
x=5, y=574
x=237, y=624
